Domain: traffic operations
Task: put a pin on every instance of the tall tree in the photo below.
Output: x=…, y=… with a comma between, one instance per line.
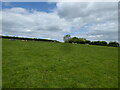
x=67, y=38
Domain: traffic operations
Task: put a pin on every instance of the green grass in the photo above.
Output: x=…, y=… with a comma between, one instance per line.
x=35, y=64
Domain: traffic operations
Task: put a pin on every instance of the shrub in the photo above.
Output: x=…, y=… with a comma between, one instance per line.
x=113, y=44
x=87, y=41
x=100, y=43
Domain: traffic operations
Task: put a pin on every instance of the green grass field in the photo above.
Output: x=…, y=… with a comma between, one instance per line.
x=32, y=64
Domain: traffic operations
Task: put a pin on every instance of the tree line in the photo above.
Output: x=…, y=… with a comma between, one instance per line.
x=28, y=39
x=69, y=39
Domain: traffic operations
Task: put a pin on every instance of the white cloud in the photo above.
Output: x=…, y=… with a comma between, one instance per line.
x=98, y=19
x=19, y=21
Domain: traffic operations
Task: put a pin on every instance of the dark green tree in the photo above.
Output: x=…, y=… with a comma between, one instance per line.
x=82, y=40
x=87, y=42
x=113, y=44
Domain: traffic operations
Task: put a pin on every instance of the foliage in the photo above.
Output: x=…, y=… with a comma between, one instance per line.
x=87, y=41
x=113, y=44
x=77, y=40
x=82, y=40
x=101, y=43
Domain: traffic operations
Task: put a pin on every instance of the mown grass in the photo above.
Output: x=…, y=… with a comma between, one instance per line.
x=35, y=64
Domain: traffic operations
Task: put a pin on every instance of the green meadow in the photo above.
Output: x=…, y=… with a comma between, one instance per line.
x=37, y=64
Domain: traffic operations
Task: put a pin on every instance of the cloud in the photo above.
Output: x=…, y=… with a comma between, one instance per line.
x=21, y=22
x=102, y=18
x=84, y=9
x=94, y=21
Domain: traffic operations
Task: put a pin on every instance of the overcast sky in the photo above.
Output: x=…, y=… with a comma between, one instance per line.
x=93, y=20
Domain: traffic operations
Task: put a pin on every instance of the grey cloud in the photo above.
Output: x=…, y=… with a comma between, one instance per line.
x=103, y=16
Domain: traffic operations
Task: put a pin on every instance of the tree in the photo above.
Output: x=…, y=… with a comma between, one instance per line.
x=78, y=40
x=67, y=38
x=100, y=43
x=87, y=41
x=113, y=44
x=73, y=40
x=82, y=40
x=103, y=43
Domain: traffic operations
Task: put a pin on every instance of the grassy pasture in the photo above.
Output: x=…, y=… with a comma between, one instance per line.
x=35, y=64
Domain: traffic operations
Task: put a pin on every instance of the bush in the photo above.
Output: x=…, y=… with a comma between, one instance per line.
x=81, y=40
x=100, y=43
x=87, y=41
x=103, y=43
x=113, y=44
x=74, y=40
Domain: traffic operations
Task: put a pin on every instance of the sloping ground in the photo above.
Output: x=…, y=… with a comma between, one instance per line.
x=32, y=64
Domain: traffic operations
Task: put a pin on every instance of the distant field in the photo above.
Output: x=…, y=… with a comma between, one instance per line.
x=32, y=64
